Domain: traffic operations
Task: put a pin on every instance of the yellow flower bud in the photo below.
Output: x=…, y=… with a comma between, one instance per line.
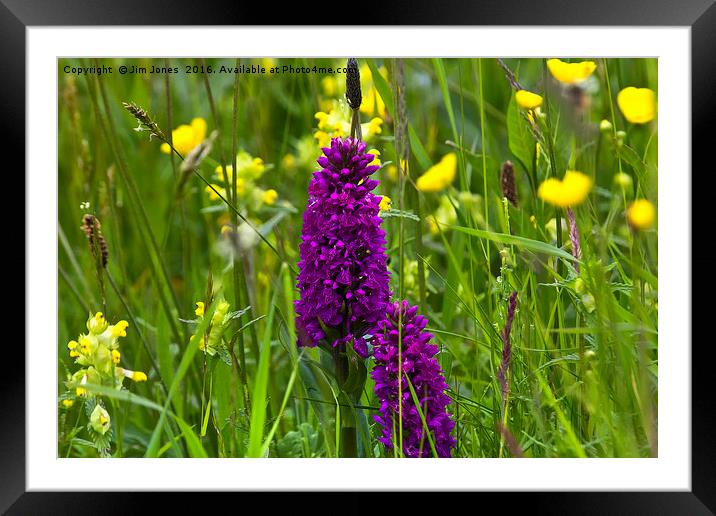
x=99, y=419
x=199, y=308
x=97, y=324
x=115, y=356
x=623, y=181
x=68, y=403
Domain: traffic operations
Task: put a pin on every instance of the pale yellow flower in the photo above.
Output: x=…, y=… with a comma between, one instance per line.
x=335, y=123
x=385, y=203
x=270, y=196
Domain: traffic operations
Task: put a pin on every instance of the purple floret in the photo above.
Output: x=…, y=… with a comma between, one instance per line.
x=343, y=278
x=423, y=369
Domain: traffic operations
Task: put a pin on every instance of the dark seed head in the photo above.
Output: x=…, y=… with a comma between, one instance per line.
x=353, y=93
x=97, y=244
x=507, y=182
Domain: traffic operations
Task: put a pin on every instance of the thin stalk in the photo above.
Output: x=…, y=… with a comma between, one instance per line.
x=238, y=277
x=348, y=442
x=484, y=181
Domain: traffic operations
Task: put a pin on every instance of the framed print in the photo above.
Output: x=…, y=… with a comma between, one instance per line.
x=279, y=252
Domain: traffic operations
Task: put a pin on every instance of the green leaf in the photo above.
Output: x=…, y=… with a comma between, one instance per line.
x=400, y=213
x=186, y=361
x=519, y=139
x=258, y=399
x=526, y=243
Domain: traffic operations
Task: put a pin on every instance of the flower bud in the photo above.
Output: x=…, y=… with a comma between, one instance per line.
x=605, y=126
x=97, y=324
x=623, y=181
x=579, y=286
x=589, y=303
x=99, y=420
x=620, y=138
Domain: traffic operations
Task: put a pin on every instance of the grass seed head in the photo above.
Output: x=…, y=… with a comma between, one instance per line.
x=146, y=123
x=93, y=229
x=507, y=182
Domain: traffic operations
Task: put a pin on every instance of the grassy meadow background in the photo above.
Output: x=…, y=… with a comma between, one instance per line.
x=583, y=374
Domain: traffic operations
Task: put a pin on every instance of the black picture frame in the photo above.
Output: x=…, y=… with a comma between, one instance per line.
x=700, y=15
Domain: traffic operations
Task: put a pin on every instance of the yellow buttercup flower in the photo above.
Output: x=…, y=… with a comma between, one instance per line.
x=270, y=196
x=385, y=203
x=569, y=191
x=641, y=214
x=186, y=137
x=638, y=105
x=439, y=176
x=569, y=73
x=68, y=403
x=528, y=100
x=199, y=308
